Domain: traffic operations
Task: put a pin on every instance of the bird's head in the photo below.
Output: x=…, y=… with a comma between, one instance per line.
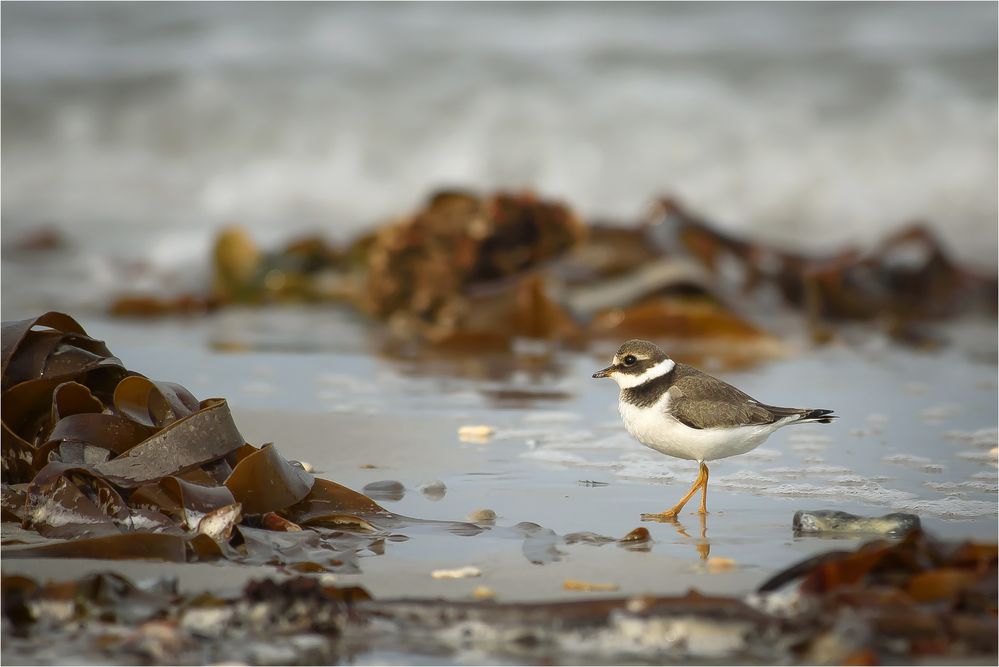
x=637, y=362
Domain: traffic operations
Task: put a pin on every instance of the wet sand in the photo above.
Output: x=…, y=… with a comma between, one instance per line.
x=916, y=435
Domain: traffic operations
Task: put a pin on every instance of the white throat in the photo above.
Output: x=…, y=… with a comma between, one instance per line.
x=628, y=381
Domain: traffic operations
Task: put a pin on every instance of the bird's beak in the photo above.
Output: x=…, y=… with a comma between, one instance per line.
x=604, y=372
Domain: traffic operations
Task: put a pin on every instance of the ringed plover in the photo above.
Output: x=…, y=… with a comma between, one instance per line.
x=680, y=411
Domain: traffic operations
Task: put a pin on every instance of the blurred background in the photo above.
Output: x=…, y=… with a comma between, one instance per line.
x=454, y=213
x=133, y=131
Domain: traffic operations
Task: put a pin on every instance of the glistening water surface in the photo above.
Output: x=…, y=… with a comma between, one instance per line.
x=917, y=434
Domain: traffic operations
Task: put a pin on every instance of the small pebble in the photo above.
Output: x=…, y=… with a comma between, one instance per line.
x=457, y=573
x=386, y=489
x=574, y=585
x=475, y=433
x=640, y=604
x=304, y=465
x=640, y=534
x=434, y=490
x=367, y=466
x=483, y=593
x=718, y=564
x=482, y=516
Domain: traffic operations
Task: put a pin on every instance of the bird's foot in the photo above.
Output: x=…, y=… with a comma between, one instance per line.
x=668, y=515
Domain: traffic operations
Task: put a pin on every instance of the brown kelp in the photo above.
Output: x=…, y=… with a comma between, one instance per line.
x=103, y=462
x=907, y=278
x=474, y=272
x=914, y=601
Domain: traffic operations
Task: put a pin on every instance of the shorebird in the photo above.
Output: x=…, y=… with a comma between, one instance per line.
x=680, y=411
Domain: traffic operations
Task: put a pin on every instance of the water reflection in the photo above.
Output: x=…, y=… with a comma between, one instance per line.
x=703, y=545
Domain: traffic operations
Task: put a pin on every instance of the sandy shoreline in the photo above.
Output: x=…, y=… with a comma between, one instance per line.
x=562, y=477
x=749, y=535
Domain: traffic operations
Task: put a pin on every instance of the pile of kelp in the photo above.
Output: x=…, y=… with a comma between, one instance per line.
x=102, y=462
x=470, y=271
x=916, y=601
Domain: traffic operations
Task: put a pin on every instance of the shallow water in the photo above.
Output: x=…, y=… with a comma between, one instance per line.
x=916, y=434
x=135, y=133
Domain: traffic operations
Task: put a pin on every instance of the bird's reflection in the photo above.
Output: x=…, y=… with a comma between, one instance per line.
x=703, y=545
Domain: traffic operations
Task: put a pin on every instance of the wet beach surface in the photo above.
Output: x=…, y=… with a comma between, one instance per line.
x=386, y=247
x=917, y=434
x=447, y=376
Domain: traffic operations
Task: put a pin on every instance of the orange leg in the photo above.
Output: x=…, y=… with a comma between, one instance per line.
x=704, y=490
x=700, y=483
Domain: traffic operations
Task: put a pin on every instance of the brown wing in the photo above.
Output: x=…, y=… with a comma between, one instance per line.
x=701, y=401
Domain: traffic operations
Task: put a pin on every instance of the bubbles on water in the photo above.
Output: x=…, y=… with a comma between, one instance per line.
x=806, y=471
x=949, y=508
x=852, y=487
x=808, y=447
x=979, y=456
x=808, y=441
x=761, y=454
x=865, y=490
x=983, y=437
x=652, y=470
x=916, y=462
x=747, y=480
x=555, y=456
x=958, y=487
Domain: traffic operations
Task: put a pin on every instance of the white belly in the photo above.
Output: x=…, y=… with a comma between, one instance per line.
x=654, y=428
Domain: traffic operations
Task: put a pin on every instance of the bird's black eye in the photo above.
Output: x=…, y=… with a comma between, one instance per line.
x=630, y=360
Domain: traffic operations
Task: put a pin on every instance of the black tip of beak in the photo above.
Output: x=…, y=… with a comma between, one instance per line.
x=603, y=373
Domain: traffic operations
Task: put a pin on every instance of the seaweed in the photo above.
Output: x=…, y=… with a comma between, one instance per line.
x=916, y=601
x=470, y=273
x=118, y=466
x=906, y=279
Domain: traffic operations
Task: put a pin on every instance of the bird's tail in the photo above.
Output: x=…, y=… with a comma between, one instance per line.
x=819, y=416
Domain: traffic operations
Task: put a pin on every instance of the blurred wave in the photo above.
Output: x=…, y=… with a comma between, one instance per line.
x=142, y=127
